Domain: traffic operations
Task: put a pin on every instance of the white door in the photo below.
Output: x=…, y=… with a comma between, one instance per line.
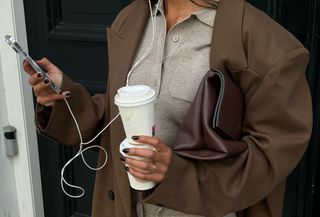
x=8, y=194
x=20, y=182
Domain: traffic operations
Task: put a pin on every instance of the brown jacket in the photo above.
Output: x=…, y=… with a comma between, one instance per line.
x=267, y=63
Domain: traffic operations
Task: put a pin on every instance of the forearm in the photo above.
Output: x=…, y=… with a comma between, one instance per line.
x=57, y=123
x=277, y=129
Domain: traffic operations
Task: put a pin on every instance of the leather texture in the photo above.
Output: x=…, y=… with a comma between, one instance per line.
x=212, y=127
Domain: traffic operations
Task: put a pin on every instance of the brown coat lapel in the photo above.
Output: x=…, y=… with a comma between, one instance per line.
x=123, y=40
x=226, y=44
x=122, y=45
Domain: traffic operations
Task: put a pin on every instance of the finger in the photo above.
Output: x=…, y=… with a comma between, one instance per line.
x=154, y=141
x=50, y=98
x=47, y=64
x=146, y=153
x=141, y=164
x=41, y=86
x=35, y=79
x=139, y=170
x=154, y=177
x=153, y=166
x=28, y=68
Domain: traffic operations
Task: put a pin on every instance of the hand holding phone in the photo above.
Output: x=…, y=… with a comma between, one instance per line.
x=45, y=77
x=41, y=86
x=16, y=47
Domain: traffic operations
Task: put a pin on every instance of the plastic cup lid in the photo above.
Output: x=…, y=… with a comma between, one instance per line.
x=134, y=95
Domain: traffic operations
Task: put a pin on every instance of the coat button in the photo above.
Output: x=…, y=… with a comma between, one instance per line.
x=111, y=195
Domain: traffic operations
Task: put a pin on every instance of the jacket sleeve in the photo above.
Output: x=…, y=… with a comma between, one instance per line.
x=277, y=128
x=57, y=122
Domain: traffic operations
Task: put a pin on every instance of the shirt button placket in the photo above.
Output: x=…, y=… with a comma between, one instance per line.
x=175, y=38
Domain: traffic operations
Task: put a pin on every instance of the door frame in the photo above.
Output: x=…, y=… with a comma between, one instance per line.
x=18, y=101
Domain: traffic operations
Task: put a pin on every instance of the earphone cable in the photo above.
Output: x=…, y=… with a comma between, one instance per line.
x=63, y=181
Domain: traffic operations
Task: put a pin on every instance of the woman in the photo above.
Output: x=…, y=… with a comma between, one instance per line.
x=264, y=60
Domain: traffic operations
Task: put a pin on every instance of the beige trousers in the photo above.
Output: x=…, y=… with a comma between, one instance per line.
x=150, y=210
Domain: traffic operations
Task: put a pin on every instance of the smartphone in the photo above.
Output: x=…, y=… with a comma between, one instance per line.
x=17, y=48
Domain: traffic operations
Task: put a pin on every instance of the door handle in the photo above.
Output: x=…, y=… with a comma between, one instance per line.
x=10, y=141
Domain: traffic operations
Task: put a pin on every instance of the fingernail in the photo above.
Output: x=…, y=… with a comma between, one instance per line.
x=68, y=94
x=126, y=150
x=123, y=159
x=126, y=168
x=39, y=75
x=24, y=61
x=46, y=81
x=135, y=137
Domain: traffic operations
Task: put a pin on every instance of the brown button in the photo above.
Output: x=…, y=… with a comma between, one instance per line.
x=111, y=195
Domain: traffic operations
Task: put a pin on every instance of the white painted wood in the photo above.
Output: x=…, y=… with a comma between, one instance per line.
x=22, y=171
x=8, y=194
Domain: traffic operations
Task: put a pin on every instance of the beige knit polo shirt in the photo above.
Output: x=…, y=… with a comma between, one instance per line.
x=174, y=67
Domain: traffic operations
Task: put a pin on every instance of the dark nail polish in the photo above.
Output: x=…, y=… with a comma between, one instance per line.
x=46, y=81
x=68, y=94
x=123, y=159
x=126, y=150
x=39, y=75
x=135, y=137
x=126, y=168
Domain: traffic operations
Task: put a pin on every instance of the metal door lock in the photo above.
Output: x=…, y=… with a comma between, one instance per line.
x=10, y=141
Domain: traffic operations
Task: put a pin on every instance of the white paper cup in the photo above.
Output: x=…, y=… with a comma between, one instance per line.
x=136, y=183
x=136, y=106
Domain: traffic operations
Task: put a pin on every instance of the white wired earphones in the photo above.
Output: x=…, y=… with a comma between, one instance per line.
x=81, y=150
x=154, y=25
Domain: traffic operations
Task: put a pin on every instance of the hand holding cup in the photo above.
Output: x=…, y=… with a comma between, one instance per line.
x=136, y=106
x=157, y=160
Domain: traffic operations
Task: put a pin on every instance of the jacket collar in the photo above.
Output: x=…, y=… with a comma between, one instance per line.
x=227, y=36
x=205, y=15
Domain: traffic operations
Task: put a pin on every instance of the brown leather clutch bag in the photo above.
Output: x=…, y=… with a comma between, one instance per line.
x=212, y=127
